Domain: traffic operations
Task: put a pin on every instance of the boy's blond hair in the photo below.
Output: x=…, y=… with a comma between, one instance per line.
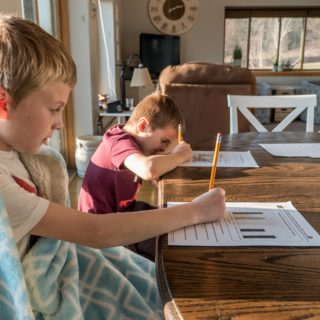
x=160, y=110
x=31, y=58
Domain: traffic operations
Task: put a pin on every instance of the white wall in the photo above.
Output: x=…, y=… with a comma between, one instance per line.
x=11, y=7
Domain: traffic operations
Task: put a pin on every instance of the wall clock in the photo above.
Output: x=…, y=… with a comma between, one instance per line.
x=173, y=16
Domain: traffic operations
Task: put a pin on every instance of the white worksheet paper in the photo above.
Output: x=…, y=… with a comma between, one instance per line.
x=293, y=149
x=226, y=159
x=250, y=224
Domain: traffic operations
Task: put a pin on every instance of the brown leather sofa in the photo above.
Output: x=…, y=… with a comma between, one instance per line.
x=200, y=91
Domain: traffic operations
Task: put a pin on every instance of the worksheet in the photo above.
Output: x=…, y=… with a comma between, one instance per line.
x=250, y=224
x=293, y=149
x=226, y=159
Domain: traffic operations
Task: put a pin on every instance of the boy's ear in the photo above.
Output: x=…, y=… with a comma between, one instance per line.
x=142, y=124
x=3, y=103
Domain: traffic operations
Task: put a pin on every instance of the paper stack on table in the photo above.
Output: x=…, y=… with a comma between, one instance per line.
x=250, y=224
x=226, y=159
x=293, y=149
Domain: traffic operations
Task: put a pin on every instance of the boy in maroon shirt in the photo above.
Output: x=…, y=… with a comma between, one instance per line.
x=138, y=150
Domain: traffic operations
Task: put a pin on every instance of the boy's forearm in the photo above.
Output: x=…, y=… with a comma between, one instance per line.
x=113, y=229
x=126, y=228
x=161, y=164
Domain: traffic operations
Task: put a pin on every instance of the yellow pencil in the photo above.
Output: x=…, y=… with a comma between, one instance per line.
x=215, y=160
x=179, y=132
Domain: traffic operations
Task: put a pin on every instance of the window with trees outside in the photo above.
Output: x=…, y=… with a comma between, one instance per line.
x=279, y=39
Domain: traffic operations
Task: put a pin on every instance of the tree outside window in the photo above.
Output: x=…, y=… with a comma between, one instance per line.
x=289, y=39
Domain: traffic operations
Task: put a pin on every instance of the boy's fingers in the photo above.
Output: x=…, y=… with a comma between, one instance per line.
x=219, y=190
x=222, y=191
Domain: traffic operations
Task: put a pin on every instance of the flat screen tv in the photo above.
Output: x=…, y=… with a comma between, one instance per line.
x=158, y=51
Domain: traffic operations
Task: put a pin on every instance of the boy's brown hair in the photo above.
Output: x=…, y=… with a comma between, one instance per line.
x=30, y=58
x=160, y=110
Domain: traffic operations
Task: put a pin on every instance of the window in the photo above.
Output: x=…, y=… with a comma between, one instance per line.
x=289, y=38
x=49, y=15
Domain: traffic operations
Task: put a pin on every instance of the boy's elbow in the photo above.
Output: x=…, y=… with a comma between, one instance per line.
x=150, y=172
x=148, y=176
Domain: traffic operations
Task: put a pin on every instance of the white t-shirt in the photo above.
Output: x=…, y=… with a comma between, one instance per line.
x=25, y=209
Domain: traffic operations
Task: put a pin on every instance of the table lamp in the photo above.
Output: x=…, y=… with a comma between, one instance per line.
x=141, y=78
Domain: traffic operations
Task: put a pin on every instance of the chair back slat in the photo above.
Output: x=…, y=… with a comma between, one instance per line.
x=298, y=102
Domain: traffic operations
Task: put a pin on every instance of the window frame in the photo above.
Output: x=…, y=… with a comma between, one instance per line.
x=249, y=13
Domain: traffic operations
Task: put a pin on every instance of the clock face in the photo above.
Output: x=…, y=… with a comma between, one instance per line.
x=173, y=16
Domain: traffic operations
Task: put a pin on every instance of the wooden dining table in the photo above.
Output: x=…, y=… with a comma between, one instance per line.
x=245, y=283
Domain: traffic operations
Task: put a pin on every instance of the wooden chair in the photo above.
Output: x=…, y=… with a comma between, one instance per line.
x=297, y=102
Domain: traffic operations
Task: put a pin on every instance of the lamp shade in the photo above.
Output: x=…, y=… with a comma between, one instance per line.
x=141, y=77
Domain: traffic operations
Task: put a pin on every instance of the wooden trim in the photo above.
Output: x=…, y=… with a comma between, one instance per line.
x=293, y=73
x=303, y=42
x=36, y=11
x=286, y=12
x=248, y=42
x=279, y=37
x=68, y=131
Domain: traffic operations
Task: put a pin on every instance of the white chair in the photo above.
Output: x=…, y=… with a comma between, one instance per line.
x=297, y=102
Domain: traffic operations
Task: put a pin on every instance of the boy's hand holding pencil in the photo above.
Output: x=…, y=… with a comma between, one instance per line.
x=210, y=205
x=183, y=150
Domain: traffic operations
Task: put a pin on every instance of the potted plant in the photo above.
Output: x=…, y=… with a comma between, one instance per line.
x=288, y=66
x=281, y=66
x=275, y=65
x=237, y=56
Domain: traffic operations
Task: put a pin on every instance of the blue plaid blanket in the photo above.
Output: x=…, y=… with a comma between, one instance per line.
x=76, y=282
x=59, y=280
x=14, y=299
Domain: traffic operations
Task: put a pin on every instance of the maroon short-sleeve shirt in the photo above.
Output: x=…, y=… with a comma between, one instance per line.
x=108, y=186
